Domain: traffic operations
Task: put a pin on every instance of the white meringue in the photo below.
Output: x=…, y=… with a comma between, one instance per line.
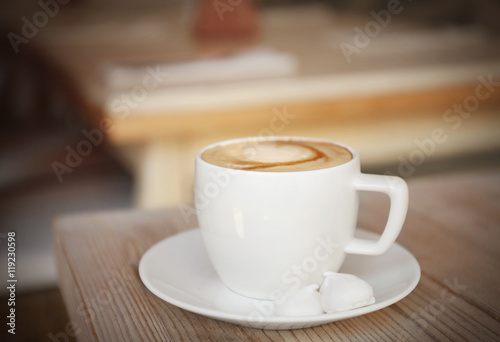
x=303, y=302
x=341, y=292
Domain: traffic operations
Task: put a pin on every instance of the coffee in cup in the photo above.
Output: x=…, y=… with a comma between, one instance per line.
x=277, y=155
x=279, y=212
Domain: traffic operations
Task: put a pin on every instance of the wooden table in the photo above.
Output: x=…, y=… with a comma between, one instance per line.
x=452, y=228
x=380, y=100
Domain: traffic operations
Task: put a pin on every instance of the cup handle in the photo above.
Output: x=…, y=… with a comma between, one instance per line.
x=397, y=190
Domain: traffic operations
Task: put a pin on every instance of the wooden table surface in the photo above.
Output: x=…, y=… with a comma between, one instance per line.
x=452, y=228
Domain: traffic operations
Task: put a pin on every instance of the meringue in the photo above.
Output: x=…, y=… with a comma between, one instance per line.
x=341, y=292
x=303, y=302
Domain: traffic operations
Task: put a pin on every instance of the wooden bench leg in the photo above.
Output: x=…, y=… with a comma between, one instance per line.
x=158, y=181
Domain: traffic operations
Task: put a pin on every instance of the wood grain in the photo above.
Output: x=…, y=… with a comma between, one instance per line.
x=452, y=228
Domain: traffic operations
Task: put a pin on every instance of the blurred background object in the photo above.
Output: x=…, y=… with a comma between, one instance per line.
x=105, y=103
x=222, y=27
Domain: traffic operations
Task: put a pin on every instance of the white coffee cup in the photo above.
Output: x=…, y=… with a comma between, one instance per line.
x=270, y=233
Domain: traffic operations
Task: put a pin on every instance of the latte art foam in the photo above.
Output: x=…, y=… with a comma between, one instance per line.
x=277, y=155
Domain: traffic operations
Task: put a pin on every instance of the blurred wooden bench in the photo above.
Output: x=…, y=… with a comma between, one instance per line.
x=386, y=100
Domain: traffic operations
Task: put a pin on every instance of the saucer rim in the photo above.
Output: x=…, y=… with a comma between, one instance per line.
x=304, y=320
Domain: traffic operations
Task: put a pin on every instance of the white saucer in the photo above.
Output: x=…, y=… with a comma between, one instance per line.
x=178, y=271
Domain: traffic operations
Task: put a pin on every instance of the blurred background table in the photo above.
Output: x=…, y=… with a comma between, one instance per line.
x=451, y=228
x=393, y=90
